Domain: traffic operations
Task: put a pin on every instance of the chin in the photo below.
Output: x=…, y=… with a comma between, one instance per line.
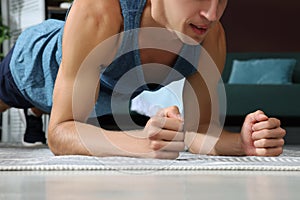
x=198, y=39
x=189, y=38
x=186, y=39
x=192, y=40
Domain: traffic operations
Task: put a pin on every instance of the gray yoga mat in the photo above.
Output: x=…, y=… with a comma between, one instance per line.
x=14, y=157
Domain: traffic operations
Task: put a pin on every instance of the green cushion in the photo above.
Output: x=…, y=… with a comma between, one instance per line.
x=262, y=71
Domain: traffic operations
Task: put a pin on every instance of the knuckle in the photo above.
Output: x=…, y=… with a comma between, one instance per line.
x=181, y=146
x=278, y=122
x=275, y=122
x=259, y=112
x=277, y=151
x=249, y=115
x=160, y=112
x=264, y=142
x=263, y=152
x=155, y=121
x=152, y=121
x=174, y=108
x=283, y=132
x=153, y=136
x=280, y=151
x=281, y=141
x=155, y=145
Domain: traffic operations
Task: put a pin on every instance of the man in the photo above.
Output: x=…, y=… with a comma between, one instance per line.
x=93, y=45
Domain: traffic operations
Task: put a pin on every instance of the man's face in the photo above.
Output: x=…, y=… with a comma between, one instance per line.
x=193, y=18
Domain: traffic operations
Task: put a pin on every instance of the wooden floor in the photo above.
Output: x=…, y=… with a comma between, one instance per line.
x=130, y=186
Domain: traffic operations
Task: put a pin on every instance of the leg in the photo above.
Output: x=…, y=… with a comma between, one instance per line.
x=34, y=134
x=37, y=112
x=10, y=94
x=3, y=106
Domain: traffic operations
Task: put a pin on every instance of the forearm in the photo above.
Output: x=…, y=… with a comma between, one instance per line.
x=227, y=143
x=75, y=138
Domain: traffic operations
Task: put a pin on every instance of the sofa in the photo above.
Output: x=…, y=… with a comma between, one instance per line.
x=278, y=100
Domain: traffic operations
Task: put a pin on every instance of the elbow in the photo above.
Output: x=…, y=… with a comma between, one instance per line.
x=53, y=141
x=63, y=140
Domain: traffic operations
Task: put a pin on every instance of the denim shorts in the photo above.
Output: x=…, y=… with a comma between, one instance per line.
x=9, y=93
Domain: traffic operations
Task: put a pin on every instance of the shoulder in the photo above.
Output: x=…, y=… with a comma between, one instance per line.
x=97, y=7
x=217, y=33
x=97, y=12
x=89, y=23
x=215, y=45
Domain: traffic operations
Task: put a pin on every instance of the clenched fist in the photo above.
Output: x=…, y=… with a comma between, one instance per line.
x=261, y=135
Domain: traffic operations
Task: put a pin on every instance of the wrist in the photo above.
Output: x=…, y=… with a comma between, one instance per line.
x=130, y=143
x=240, y=145
x=230, y=144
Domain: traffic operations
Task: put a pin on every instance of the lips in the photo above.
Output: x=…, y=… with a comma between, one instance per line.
x=199, y=29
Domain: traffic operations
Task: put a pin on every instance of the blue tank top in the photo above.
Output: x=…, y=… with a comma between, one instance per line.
x=37, y=56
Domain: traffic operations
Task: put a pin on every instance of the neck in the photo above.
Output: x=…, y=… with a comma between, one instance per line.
x=148, y=20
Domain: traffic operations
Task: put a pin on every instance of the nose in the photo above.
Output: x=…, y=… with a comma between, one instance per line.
x=210, y=13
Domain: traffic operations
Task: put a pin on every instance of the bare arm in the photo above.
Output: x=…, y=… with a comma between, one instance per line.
x=77, y=87
x=77, y=83
x=82, y=33
x=260, y=135
x=201, y=106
